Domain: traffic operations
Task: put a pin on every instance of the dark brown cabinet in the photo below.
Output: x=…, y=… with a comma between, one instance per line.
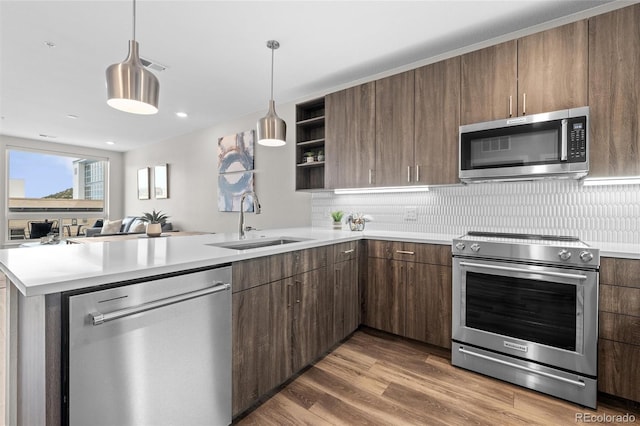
x=346, y=295
x=282, y=320
x=543, y=72
x=614, y=93
x=437, y=120
x=489, y=83
x=619, y=325
x=311, y=317
x=261, y=342
x=385, y=295
x=428, y=311
x=350, y=137
x=394, y=129
x=408, y=290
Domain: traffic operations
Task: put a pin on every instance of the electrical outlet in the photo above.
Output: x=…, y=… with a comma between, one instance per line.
x=410, y=214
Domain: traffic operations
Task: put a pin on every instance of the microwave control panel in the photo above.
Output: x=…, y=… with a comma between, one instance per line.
x=577, y=140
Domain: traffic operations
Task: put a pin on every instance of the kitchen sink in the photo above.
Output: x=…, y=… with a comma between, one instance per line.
x=257, y=243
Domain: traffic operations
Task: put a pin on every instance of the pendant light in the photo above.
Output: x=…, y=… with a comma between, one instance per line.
x=272, y=130
x=130, y=86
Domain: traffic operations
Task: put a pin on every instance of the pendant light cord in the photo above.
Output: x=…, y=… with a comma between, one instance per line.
x=272, y=51
x=134, y=20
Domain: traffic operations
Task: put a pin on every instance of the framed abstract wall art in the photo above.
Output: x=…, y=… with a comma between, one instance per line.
x=235, y=170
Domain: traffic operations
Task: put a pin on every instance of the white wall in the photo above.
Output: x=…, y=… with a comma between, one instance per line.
x=115, y=202
x=193, y=179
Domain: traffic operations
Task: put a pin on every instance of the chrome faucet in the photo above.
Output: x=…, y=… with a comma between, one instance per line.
x=256, y=209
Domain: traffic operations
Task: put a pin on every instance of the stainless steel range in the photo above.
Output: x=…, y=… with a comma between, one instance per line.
x=525, y=310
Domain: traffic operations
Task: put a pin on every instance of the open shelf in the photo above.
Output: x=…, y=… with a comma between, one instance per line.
x=309, y=139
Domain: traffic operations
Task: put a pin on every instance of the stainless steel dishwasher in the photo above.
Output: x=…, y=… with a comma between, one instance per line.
x=155, y=352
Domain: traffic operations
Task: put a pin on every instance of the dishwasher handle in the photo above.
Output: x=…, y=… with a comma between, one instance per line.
x=100, y=318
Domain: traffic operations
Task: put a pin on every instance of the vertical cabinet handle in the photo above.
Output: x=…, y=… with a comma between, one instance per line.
x=524, y=104
x=370, y=180
x=289, y=288
x=417, y=172
x=510, y=106
x=409, y=174
x=298, y=290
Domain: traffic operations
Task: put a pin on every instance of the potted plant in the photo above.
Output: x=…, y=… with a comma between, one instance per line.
x=154, y=220
x=320, y=155
x=337, y=219
x=308, y=157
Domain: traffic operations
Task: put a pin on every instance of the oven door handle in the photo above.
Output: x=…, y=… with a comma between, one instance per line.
x=525, y=271
x=578, y=383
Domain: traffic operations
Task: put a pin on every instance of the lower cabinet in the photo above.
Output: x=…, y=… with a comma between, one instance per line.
x=261, y=341
x=311, y=318
x=385, y=295
x=428, y=308
x=346, y=303
x=285, y=311
x=407, y=296
x=619, y=328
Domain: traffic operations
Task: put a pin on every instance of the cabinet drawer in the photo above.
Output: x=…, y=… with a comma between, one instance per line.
x=619, y=369
x=621, y=272
x=411, y=252
x=620, y=300
x=607, y=270
x=344, y=251
x=435, y=254
x=261, y=270
x=254, y=272
x=298, y=262
x=619, y=328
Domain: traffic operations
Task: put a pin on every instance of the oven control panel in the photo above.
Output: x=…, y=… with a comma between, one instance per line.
x=560, y=252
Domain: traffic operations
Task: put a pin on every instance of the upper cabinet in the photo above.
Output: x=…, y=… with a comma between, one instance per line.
x=437, y=119
x=489, y=83
x=350, y=137
x=614, y=93
x=403, y=129
x=394, y=129
x=543, y=72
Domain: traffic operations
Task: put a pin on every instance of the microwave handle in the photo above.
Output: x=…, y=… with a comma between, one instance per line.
x=563, y=140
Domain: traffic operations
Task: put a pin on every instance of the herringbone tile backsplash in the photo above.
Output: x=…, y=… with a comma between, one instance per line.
x=558, y=207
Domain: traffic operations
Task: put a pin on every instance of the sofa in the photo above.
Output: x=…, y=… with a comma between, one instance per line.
x=126, y=226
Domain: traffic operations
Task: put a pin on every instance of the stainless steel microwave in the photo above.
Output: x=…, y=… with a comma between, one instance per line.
x=553, y=144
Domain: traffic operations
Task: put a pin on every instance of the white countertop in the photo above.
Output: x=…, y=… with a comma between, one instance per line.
x=48, y=269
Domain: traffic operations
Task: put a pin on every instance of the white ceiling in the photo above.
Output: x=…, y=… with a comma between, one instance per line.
x=218, y=63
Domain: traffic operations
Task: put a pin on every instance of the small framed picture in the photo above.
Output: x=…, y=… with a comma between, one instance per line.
x=161, y=181
x=143, y=184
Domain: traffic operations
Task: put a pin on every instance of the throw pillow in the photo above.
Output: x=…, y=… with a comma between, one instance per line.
x=111, y=226
x=139, y=226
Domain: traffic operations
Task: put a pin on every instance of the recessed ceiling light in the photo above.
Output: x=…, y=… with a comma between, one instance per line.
x=72, y=116
x=182, y=114
x=49, y=44
x=110, y=142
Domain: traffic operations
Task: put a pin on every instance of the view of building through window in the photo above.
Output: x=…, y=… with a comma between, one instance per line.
x=51, y=193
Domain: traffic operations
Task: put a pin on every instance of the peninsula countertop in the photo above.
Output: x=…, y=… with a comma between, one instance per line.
x=44, y=269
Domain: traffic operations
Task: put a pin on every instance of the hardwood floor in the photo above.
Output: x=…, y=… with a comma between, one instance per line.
x=375, y=378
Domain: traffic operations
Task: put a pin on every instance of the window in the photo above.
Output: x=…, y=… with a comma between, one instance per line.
x=53, y=193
